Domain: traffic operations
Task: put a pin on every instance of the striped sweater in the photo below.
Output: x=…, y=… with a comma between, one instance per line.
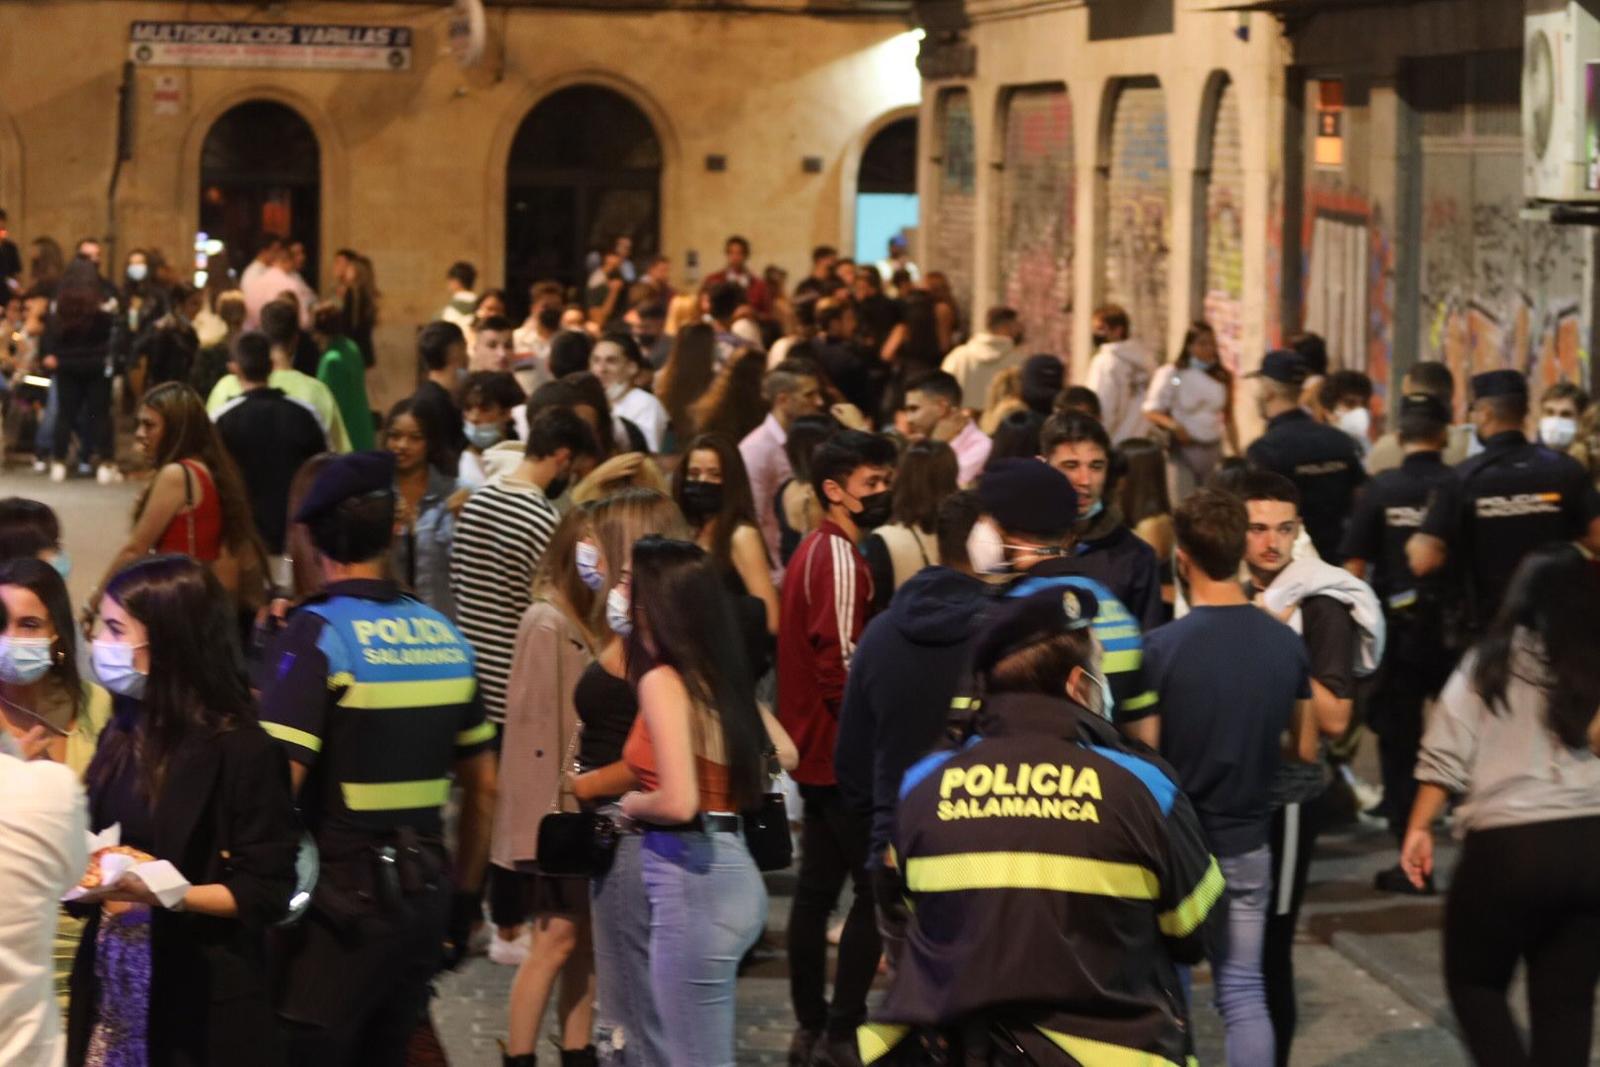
x=499, y=540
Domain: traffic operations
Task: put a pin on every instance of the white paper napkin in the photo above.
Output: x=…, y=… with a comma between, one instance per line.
x=164, y=880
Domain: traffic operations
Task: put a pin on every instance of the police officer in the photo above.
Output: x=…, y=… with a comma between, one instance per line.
x=1057, y=873
x=1417, y=660
x=375, y=700
x=1506, y=501
x=1322, y=462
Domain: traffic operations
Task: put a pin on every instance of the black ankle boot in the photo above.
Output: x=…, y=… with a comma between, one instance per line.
x=527, y=1059
x=582, y=1057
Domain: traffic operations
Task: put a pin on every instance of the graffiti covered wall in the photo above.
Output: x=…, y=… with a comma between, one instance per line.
x=1348, y=272
x=1037, y=191
x=1496, y=291
x=953, y=231
x=1224, y=231
x=1138, y=212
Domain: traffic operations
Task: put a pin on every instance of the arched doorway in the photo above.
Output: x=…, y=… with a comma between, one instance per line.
x=260, y=176
x=585, y=169
x=886, y=189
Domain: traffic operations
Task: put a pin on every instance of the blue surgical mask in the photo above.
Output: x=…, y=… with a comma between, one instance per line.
x=617, y=616
x=137, y=272
x=61, y=562
x=483, y=435
x=588, y=564
x=1095, y=509
x=24, y=660
x=113, y=665
x=1108, y=703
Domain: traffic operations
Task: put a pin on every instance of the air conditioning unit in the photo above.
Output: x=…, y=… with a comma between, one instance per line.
x=1561, y=101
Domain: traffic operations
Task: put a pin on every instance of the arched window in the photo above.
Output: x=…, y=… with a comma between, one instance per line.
x=261, y=176
x=585, y=169
x=886, y=189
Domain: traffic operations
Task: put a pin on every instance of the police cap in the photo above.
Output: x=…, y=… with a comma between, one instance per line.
x=353, y=475
x=1028, y=496
x=1281, y=365
x=1425, y=404
x=1031, y=619
x=1499, y=383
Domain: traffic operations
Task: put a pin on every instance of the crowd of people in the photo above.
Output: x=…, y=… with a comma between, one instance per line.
x=657, y=590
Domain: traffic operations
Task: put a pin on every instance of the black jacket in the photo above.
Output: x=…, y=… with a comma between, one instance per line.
x=225, y=815
x=1120, y=560
x=908, y=666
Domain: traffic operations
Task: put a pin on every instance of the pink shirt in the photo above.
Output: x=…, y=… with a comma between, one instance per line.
x=971, y=447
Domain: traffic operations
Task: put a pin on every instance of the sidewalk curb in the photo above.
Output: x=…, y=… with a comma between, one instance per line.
x=1351, y=948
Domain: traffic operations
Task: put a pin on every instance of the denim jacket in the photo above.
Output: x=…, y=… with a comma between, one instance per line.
x=421, y=555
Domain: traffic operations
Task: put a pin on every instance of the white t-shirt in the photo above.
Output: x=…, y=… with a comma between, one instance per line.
x=43, y=853
x=644, y=411
x=1194, y=399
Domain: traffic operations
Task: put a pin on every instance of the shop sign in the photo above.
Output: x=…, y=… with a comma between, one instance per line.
x=293, y=46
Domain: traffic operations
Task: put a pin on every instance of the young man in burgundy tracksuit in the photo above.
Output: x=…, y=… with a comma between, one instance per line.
x=827, y=594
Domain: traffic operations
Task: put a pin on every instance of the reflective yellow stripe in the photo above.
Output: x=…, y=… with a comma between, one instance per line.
x=1143, y=700
x=341, y=679
x=1111, y=633
x=1192, y=911
x=1092, y=1053
x=1118, y=662
x=292, y=736
x=480, y=733
x=431, y=694
x=1030, y=870
x=962, y=703
x=395, y=796
x=874, y=1040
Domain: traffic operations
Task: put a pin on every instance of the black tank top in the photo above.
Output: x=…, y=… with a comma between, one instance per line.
x=606, y=706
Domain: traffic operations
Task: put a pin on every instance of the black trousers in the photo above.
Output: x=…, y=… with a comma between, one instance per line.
x=1294, y=834
x=83, y=403
x=1528, y=893
x=834, y=842
x=1394, y=711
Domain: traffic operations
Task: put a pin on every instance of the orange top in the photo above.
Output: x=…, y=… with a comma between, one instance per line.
x=640, y=756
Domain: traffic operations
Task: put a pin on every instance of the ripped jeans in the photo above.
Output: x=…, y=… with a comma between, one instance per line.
x=627, y=1030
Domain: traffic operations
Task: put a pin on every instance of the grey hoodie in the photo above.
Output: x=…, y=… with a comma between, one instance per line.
x=977, y=363
x=1120, y=375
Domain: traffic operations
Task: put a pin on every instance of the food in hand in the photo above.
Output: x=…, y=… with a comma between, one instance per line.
x=91, y=877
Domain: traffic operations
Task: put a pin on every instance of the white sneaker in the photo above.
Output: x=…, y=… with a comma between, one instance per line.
x=108, y=474
x=510, y=953
x=58, y=472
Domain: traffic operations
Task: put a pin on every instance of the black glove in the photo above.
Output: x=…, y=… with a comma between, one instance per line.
x=466, y=911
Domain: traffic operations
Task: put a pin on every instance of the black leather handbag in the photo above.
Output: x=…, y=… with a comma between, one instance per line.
x=578, y=843
x=766, y=826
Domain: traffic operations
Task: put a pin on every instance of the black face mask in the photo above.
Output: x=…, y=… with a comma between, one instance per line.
x=1101, y=338
x=557, y=487
x=874, y=510
x=701, y=500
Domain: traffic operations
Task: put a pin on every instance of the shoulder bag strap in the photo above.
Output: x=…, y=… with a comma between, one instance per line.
x=188, y=506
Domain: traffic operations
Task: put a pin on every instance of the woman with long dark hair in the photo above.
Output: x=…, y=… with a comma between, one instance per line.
x=924, y=478
x=733, y=406
x=697, y=751
x=690, y=370
x=190, y=778
x=424, y=476
x=795, y=504
x=1516, y=731
x=712, y=489
x=360, y=306
x=196, y=503
x=1192, y=400
x=1146, y=505
x=75, y=348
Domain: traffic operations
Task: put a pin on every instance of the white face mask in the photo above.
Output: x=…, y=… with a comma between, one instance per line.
x=1558, y=431
x=986, y=552
x=137, y=272
x=1356, y=422
x=588, y=564
x=617, y=390
x=113, y=666
x=617, y=612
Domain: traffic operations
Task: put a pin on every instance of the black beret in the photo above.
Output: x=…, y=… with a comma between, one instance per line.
x=1028, y=496
x=1027, y=620
x=1425, y=404
x=1499, y=383
x=352, y=475
x=1281, y=365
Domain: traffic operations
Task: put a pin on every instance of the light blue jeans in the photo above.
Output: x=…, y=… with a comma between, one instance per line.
x=1234, y=938
x=627, y=1030
x=707, y=907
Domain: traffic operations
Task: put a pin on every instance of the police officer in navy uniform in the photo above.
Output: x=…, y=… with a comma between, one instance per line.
x=374, y=697
x=1055, y=871
x=1322, y=462
x=1418, y=612
x=1509, y=499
